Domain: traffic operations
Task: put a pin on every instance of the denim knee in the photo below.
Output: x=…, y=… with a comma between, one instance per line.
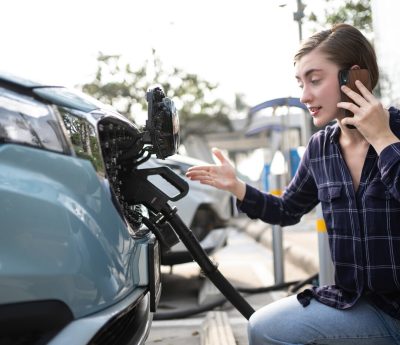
x=260, y=329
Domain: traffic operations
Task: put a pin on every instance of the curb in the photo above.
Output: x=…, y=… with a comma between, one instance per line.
x=216, y=329
x=262, y=233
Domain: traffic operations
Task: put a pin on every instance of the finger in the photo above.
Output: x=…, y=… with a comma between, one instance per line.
x=349, y=121
x=348, y=106
x=199, y=168
x=197, y=174
x=367, y=94
x=357, y=98
x=205, y=180
x=220, y=156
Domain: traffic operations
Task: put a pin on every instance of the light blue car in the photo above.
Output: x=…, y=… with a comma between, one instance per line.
x=76, y=264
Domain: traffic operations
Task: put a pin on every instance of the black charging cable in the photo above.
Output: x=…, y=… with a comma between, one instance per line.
x=183, y=313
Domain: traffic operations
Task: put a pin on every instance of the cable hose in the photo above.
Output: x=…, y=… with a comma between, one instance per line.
x=300, y=284
x=183, y=313
x=268, y=288
x=208, y=267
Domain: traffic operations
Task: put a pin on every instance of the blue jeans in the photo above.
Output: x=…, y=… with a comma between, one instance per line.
x=287, y=322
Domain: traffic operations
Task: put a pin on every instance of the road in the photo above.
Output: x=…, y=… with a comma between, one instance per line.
x=244, y=262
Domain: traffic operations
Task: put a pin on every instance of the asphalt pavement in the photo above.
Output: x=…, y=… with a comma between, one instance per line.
x=300, y=241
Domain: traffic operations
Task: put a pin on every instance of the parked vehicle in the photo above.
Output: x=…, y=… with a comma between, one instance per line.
x=205, y=210
x=77, y=266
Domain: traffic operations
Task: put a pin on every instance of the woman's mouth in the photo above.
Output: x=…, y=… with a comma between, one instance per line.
x=314, y=110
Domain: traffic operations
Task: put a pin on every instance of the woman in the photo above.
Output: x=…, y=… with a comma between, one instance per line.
x=354, y=174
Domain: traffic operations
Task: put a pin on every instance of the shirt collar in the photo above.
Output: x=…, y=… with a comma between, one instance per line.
x=334, y=136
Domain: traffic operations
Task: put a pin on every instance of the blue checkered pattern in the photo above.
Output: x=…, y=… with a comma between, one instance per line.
x=363, y=225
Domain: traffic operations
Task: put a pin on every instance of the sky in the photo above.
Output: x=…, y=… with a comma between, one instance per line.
x=246, y=46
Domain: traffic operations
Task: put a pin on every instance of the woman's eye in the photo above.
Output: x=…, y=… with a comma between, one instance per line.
x=315, y=81
x=300, y=86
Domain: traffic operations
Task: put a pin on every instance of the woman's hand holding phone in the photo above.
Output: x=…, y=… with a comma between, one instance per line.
x=370, y=118
x=348, y=77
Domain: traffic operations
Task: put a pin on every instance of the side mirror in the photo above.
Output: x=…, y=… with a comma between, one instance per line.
x=162, y=126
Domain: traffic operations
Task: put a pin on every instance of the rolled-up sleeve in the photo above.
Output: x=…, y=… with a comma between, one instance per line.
x=389, y=166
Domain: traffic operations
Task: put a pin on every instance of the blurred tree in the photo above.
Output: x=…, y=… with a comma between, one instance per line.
x=116, y=83
x=355, y=12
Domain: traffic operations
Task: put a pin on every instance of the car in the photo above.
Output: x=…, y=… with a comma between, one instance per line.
x=77, y=264
x=205, y=210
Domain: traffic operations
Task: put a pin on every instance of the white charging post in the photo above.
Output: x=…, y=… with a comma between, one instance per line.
x=326, y=268
x=276, y=183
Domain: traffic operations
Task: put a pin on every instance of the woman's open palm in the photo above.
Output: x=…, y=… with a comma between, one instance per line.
x=221, y=175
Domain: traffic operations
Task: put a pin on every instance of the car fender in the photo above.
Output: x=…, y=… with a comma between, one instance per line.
x=61, y=236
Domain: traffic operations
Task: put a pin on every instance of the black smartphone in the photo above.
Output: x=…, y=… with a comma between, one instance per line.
x=348, y=77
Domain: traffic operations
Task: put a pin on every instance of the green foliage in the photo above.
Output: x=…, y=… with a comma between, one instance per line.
x=123, y=87
x=354, y=12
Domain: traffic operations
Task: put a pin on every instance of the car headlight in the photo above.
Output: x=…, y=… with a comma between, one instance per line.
x=23, y=120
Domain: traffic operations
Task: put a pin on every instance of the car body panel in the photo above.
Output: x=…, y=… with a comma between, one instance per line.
x=79, y=250
x=17, y=80
x=69, y=98
x=65, y=245
x=81, y=331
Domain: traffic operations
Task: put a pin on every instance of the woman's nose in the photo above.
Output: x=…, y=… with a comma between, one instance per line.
x=305, y=95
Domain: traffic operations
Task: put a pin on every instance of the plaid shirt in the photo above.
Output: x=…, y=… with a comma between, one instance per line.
x=363, y=226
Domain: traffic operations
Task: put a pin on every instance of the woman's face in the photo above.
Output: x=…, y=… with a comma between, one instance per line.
x=318, y=79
